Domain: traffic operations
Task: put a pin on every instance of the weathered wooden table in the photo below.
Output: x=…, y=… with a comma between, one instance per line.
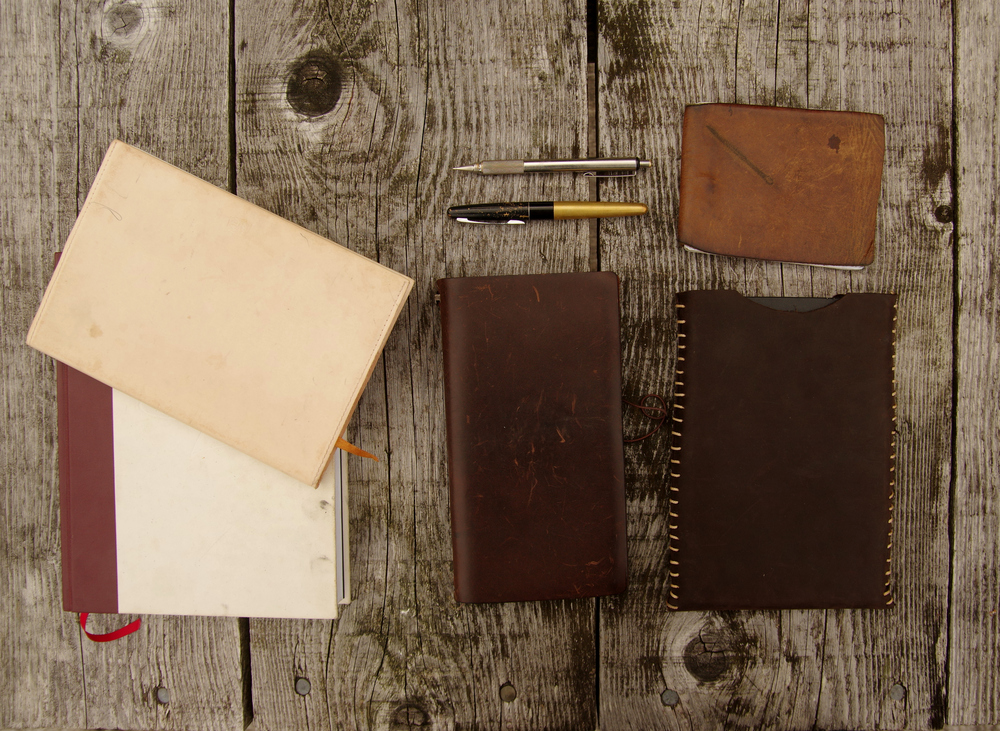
x=347, y=118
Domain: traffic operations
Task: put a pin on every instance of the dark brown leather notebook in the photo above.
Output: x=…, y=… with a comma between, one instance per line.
x=783, y=454
x=532, y=372
x=792, y=185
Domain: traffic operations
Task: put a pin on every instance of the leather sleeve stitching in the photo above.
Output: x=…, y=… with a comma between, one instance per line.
x=673, y=494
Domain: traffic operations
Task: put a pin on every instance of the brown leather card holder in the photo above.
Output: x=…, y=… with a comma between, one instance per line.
x=790, y=185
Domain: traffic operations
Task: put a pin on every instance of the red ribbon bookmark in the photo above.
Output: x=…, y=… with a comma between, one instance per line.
x=118, y=633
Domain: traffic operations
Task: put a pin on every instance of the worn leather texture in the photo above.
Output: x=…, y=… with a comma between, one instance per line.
x=532, y=370
x=228, y=318
x=783, y=473
x=793, y=185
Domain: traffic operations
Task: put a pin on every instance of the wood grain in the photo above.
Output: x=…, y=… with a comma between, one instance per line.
x=784, y=669
x=974, y=652
x=156, y=76
x=908, y=55
x=424, y=87
x=41, y=678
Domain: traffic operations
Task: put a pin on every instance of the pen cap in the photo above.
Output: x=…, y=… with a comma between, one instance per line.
x=595, y=209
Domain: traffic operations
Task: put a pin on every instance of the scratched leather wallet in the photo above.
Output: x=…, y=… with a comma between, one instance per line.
x=790, y=185
x=532, y=374
x=782, y=467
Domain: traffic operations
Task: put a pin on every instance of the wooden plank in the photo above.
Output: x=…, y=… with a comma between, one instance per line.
x=157, y=76
x=424, y=87
x=887, y=669
x=784, y=669
x=690, y=669
x=974, y=652
x=41, y=678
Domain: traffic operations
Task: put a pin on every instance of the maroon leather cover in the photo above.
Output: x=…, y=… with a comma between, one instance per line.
x=783, y=457
x=797, y=185
x=86, y=493
x=532, y=372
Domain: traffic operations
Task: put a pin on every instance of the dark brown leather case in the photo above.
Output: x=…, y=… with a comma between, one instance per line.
x=783, y=458
x=793, y=185
x=532, y=370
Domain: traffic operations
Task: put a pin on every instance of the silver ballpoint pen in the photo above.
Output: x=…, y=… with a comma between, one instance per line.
x=620, y=166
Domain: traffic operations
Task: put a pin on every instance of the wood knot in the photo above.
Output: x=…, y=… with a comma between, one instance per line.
x=707, y=657
x=123, y=20
x=314, y=84
x=944, y=214
x=409, y=715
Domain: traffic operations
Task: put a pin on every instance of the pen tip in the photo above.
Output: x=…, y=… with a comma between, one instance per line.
x=468, y=168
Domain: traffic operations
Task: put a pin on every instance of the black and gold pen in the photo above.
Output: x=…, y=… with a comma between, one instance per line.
x=516, y=213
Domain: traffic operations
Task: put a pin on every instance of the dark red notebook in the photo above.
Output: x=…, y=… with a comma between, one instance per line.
x=783, y=458
x=532, y=370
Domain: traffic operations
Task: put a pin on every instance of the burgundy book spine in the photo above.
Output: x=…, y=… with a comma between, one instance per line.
x=86, y=493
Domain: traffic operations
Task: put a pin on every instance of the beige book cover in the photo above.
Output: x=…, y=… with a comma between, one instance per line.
x=218, y=313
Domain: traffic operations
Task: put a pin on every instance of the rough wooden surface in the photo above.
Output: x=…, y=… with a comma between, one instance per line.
x=41, y=678
x=244, y=95
x=155, y=76
x=422, y=89
x=833, y=669
x=974, y=683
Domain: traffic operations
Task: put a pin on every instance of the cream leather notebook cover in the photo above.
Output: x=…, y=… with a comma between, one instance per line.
x=227, y=317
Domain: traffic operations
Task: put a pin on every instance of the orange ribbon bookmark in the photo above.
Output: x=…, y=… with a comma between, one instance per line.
x=351, y=449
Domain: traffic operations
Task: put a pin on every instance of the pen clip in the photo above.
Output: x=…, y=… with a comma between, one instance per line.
x=508, y=222
x=624, y=174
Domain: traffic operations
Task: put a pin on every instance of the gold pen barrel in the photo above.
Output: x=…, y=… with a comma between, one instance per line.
x=595, y=209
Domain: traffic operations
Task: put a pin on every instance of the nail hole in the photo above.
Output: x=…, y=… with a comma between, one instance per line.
x=302, y=686
x=897, y=692
x=670, y=697
x=944, y=214
x=162, y=695
x=508, y=693
x=314, y=84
